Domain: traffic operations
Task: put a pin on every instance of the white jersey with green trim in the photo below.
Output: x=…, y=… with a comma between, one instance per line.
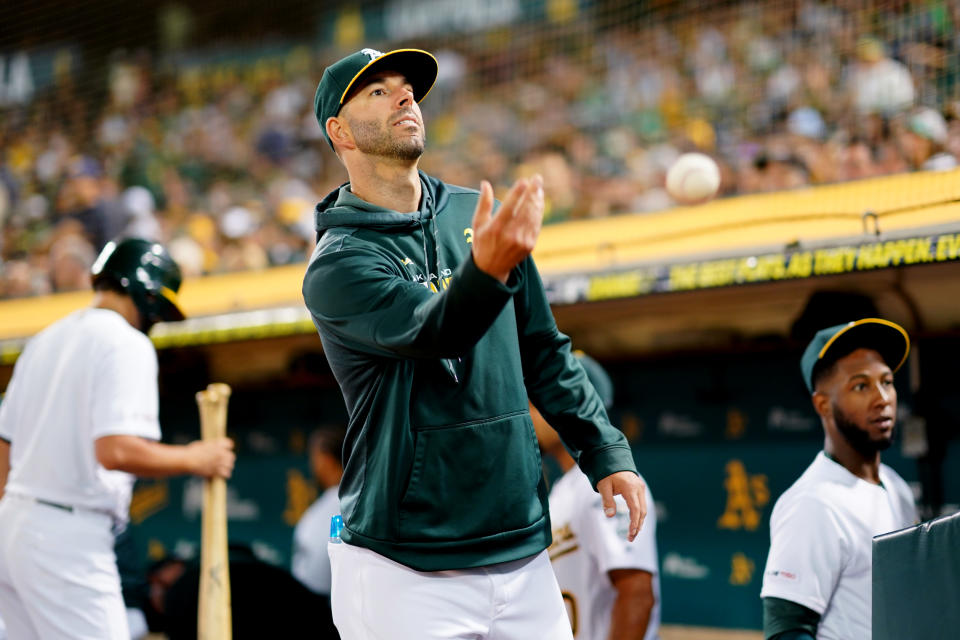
x=587, y=545
x=821, y=543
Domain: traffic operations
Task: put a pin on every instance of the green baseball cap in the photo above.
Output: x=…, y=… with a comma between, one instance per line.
x=418, y=66
x=887, y=338
x=597, y=376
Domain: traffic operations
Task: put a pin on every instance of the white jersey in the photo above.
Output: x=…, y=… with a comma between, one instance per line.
x=821, y=543
x=86, y=376
x=311, y=564
x=587, y=545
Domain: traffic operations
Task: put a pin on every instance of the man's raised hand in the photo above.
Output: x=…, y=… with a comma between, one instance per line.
x=502, y=241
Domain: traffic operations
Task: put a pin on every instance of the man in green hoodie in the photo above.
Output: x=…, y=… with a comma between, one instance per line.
x=435, y=323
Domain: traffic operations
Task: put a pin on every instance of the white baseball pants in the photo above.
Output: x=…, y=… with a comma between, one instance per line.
x=58, y=574
x=375, y=598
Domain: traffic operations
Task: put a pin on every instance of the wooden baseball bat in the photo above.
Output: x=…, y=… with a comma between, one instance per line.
x=213, y=611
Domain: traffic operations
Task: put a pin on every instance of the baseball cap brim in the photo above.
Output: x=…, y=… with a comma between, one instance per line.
x=887, y=338
x=418, y=66
x=172, y=311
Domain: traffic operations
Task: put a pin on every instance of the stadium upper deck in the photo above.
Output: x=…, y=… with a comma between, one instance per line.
x=214, y=148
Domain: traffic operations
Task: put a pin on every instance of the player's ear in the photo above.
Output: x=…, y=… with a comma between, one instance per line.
x=340, y=134
x=821, y=404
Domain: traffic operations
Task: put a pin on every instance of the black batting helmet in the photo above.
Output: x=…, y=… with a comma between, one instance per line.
x=145, y=271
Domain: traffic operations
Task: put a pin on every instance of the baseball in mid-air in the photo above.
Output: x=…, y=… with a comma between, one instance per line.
x=694, y=178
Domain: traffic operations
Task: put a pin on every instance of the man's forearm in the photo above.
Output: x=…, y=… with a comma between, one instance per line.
x=633, y=604
x=144, y=457
x=629, y=618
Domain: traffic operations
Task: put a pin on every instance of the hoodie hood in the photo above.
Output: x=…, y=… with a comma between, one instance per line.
x=341, y=208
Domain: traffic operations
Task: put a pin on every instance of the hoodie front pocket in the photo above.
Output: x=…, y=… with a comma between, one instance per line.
x=473, y=480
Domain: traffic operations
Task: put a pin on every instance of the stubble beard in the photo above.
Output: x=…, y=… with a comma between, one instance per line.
x=372, y=139
x=859, y=438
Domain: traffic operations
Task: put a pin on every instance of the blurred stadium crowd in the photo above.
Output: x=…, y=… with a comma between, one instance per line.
x=224, y=164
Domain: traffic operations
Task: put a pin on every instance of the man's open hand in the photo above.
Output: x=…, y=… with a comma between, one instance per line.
x=502, y=241
x=631, y=487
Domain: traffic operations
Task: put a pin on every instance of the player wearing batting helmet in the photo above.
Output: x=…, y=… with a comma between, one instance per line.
x=435, y=323
x=817, y=583
x=79, y=419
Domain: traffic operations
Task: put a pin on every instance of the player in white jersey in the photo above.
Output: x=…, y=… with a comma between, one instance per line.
x=817, y=582
x=610, y=586
x=78, y=420
x=310, y=563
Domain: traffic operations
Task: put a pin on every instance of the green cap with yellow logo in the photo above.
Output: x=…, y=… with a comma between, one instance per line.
x=418, y=66
x=887, y=338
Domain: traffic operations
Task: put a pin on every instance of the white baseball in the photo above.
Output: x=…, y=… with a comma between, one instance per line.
x=693, y=178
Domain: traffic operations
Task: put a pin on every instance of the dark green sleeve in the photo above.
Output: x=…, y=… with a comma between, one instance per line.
x=558, y=386
x=356, y=295
x=787, y=620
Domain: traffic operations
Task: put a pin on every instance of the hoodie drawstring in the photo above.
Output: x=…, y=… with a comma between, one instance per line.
x=432, y=221
x=423, y=240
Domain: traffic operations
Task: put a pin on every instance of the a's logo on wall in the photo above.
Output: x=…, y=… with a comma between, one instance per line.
x=300, y=495
x=736, y=423
x=746, y=497
x=741, y=569
x=373, y=53
x=148, y=499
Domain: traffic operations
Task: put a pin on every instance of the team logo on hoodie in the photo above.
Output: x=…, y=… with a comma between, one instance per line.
x=432, y=282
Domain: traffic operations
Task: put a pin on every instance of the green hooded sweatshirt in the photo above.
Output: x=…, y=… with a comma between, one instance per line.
x=436, y=360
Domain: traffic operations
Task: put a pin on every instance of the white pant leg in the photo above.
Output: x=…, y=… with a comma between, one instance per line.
x=375, y=598
x=12, y=608
x=65, y=573
x=528, y=601
x=16, y=622
x=14, y=612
